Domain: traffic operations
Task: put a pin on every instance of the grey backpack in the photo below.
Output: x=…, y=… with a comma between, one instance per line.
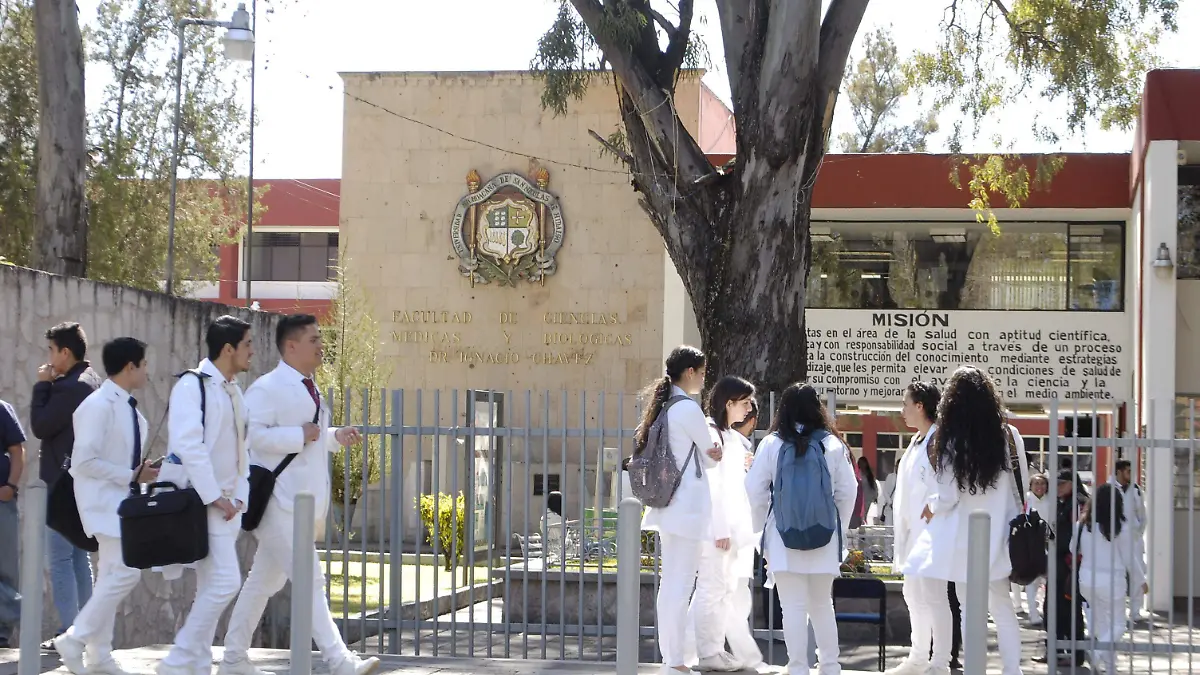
x=653, y=474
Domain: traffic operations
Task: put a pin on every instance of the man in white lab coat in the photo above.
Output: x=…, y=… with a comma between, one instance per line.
x=110, y=436
x=208, y=450
x=288, y=417
x=1135, y=517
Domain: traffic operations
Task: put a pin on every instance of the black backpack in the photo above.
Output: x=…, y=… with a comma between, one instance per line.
x=1028, y=534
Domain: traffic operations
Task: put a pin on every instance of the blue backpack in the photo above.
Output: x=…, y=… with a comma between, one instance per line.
x=802, y=496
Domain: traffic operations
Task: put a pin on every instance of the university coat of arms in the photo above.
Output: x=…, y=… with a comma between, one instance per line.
x=507, y=229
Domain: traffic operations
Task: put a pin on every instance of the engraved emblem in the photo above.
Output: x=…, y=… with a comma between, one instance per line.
x=507, y=229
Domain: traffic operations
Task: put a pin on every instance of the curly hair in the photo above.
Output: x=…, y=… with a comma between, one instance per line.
x=971, y=438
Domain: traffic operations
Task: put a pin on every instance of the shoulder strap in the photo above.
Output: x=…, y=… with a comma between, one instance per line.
x=202, y=377
x=1015, y=459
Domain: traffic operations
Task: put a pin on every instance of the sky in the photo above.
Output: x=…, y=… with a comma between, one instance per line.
x=302, y=47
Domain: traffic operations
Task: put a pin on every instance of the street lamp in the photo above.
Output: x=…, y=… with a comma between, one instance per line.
x=239, y=46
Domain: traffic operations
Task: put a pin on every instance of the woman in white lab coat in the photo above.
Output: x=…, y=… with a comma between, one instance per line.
x=803, y=579
x=1104, y=550
x=972, y=464
x=722, y=602
x=686, y=524
x=927, y=600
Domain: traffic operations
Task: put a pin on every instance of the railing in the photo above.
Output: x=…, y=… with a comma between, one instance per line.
x=385, y=567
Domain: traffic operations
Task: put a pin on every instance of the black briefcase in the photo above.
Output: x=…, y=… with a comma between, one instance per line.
x=62, y=514
x=163, y=526
x=262, y=484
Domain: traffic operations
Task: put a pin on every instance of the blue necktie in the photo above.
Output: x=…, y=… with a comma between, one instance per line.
x=137, y=434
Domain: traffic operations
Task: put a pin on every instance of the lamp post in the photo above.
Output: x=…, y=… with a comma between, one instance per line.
x=239, y=46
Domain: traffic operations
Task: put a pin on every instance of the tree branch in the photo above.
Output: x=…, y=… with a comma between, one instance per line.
x=737, y=25
x=1017, y=28
x=677, y=46
x=668, y=27
x=619, y=153
x=838, y=29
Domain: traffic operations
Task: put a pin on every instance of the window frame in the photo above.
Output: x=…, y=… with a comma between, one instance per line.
x=245, y=251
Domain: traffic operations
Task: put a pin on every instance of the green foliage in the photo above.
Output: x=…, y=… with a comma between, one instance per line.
x=133, y=43
x=358, y=376
x=18, y=131
x=874, y=88
x=450, y=514
x=1007, y=175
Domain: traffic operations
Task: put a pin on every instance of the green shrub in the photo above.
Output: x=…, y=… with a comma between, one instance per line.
x=450, y=513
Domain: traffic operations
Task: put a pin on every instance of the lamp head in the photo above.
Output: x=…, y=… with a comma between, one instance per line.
x=239, y=39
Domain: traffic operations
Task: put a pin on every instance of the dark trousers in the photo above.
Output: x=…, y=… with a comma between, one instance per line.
x=1068, y=623
x=956, y=619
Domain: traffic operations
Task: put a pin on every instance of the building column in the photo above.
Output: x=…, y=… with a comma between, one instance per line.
x=1157, y=355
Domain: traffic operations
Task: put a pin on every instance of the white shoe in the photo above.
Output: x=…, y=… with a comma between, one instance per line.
x=944, y=670
x=354, y=665
x=907, y=667
x=70, y=650
x=108, y=667
x=721, y=662
x=242, y=667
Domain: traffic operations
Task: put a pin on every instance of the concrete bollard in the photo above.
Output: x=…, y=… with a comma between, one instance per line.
x=975, y=605
x=303, y=535
x=629, y=572
x=33, y=556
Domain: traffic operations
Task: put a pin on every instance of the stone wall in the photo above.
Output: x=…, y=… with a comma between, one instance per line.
x=31, y=302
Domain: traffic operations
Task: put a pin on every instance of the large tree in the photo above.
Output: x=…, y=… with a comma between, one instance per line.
x=131, y=45
x=739, y=236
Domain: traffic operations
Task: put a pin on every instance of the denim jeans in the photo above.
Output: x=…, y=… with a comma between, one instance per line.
x=10, y=561
x=70, y=577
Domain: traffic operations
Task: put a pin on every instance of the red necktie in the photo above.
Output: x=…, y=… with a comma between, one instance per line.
x=312, y=391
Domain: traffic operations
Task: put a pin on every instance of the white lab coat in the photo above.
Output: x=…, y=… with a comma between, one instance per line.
x=827, y=559
x=279, y=406
x=690, y=513
x=102, y=457
x=731, y=512
x=940, y=552
x=915, y=482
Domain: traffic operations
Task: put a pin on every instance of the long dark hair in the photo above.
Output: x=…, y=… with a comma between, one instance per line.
x=1107, y=510
x=800, y=405
x=971, y=437
x=728, y=388
x=864, y=467
x=678, y=362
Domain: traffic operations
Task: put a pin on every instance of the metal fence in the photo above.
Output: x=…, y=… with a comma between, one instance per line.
x=525, y=584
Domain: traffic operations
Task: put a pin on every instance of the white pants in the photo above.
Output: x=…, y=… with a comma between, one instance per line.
x=1008, y=631
x=271, y=569
x=97, y=618
x=929, y=611
x=804, y=598
x=1106, y=620
x=680, y=565
x=218, y=578
x=720, y=610
x=1032, y=604
x=1137, y=598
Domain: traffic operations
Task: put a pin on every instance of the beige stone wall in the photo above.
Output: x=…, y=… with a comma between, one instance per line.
x=31, y=302
x=401, y=183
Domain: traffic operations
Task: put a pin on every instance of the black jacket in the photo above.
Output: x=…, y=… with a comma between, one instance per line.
x=50, y=413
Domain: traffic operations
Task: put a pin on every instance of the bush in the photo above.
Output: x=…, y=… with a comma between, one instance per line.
x=451, y=516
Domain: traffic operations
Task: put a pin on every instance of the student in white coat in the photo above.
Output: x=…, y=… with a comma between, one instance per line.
x=972, y=464
x=804, y=579
x=1037, y=501
x=211, y=452
x=1135, y=520
x=686, y=524
x=1105, y=550
x=722, y=603
x=927, y=600
x=110, y=438
x=288, y=416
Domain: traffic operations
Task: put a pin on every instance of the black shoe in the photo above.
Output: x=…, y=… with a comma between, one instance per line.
x=4, y=643
x=955, y=665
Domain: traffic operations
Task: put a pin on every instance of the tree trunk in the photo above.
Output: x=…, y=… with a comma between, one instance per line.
x=62, y=153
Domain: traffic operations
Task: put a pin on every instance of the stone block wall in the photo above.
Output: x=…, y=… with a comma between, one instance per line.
x=173, y=328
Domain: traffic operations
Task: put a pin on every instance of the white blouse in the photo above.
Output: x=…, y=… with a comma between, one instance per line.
x=940, y=552
x=690, y=513
x=827, y=559
x=1103, y=564
x=731, y=505
x=914, y=484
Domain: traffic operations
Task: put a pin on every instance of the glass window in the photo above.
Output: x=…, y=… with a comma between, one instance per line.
x=293, y=256
x=1026, y=266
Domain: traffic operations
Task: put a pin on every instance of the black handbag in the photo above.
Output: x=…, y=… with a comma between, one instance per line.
x=262, y=485
x=62, y=512
x=164, y=525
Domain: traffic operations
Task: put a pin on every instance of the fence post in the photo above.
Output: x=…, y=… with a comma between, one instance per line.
x=303, y=551
x=33, y=555
x=975, y=605
x=629, y=582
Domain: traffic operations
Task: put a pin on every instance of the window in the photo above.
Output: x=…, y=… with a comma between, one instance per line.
x=293, y=256
x=543, y=484
x=1026, y=266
